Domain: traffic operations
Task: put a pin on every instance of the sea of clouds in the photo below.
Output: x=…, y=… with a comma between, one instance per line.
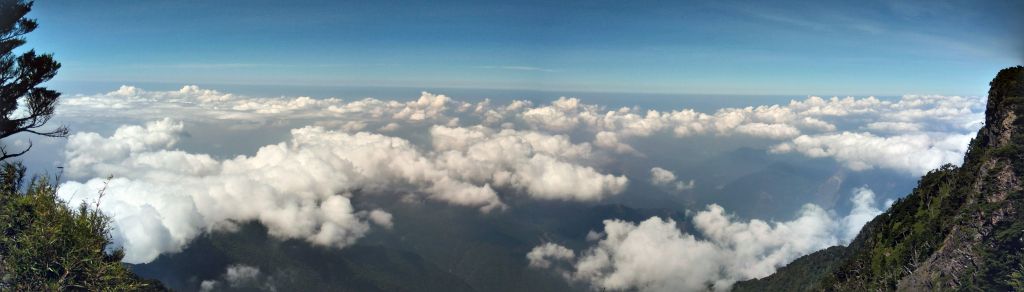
x=655, y=255
x=478, y=155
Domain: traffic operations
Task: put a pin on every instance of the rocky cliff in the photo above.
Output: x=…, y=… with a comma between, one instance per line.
x=961, y=228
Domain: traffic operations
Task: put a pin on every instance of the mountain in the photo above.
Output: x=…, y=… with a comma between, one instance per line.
x=296, y=266
x=960, y=228
x=432, y=247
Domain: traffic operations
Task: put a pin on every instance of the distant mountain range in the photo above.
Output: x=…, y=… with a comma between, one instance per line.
x=961, y=228
x=435, y=249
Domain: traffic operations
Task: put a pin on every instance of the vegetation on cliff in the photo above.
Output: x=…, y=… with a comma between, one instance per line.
x=49, y=246
x=45, y=244
x=961, y=227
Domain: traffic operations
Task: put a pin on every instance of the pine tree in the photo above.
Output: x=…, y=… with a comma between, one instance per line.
x=25, y=107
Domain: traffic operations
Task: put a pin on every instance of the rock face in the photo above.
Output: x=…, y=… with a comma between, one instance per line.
x=961, y=227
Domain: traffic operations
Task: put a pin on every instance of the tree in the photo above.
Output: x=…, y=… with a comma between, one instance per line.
x=25, y=107
x=47, y=245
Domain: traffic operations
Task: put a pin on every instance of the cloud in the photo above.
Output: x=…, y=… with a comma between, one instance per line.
x=915, y=154
x=661, y=176
x=543, y=166
x=939, y=116
x=894, y=127
x=560, y=116
x=428, y=106
x=609, y=140
x=390, y=127
x=614, y=130
x=161, y=198
x=863, y=211
x=194, y=103
x=773, y=131
x=655, y=255
x=87, y=152
x=381, y=217
x=542, y=255
x=238, y=276
x=664, y=177
x=208, y=285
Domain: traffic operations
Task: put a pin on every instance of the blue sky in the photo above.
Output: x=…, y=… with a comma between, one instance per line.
x=862, y=48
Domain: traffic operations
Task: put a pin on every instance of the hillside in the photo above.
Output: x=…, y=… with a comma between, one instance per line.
x=961, y=227
x=433, y=249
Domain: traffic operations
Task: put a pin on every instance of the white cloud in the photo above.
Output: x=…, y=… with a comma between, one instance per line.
x=664, y=177
x=162, y=198
x=382, y=218
x=90, y=148
x=208, y=285
x=772, y=131
x=613, y=130
x=816, y=124
x=915, y=154
x=560, y=116
x=609, y=140
x=544, y=166
x=238, y=276
x=894, y=127
x=390, y=127
x=863, y=211
x=655, y=255
x=939, y=115
x=545, y=177
x=428, y=106
x=194, y=103
x=542, y=255
x=353, y=126
x=682, y=186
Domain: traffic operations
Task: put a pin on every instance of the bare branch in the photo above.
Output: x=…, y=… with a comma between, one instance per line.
x=5, y=155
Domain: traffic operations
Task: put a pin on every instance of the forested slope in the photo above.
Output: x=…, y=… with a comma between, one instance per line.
x=961, y=227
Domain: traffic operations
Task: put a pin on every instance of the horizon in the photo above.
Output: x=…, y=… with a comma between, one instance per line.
x=529, y=146
x=877, y=48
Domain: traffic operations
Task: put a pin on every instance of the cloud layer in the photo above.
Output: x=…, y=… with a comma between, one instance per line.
x=162, y=198
x=655, y=255
x=861, y=133
x=435, y=147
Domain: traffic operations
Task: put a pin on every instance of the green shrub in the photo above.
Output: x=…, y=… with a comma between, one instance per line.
x=48, y=245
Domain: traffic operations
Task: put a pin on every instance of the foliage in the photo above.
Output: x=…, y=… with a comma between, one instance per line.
x=48, y=246
x=803, y=274
x=961, y=209
x=897, y=241
x=25, y=107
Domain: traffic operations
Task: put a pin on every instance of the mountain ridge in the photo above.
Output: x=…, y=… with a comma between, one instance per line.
x=960, y=228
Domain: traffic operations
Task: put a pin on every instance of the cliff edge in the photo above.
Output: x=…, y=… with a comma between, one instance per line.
x=960, y=228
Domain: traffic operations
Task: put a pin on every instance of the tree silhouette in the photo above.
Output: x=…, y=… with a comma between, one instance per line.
x=25, y=107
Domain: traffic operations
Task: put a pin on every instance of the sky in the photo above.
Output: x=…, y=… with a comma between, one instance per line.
x=720, y=47
x=760, y=186
x=776, y=129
